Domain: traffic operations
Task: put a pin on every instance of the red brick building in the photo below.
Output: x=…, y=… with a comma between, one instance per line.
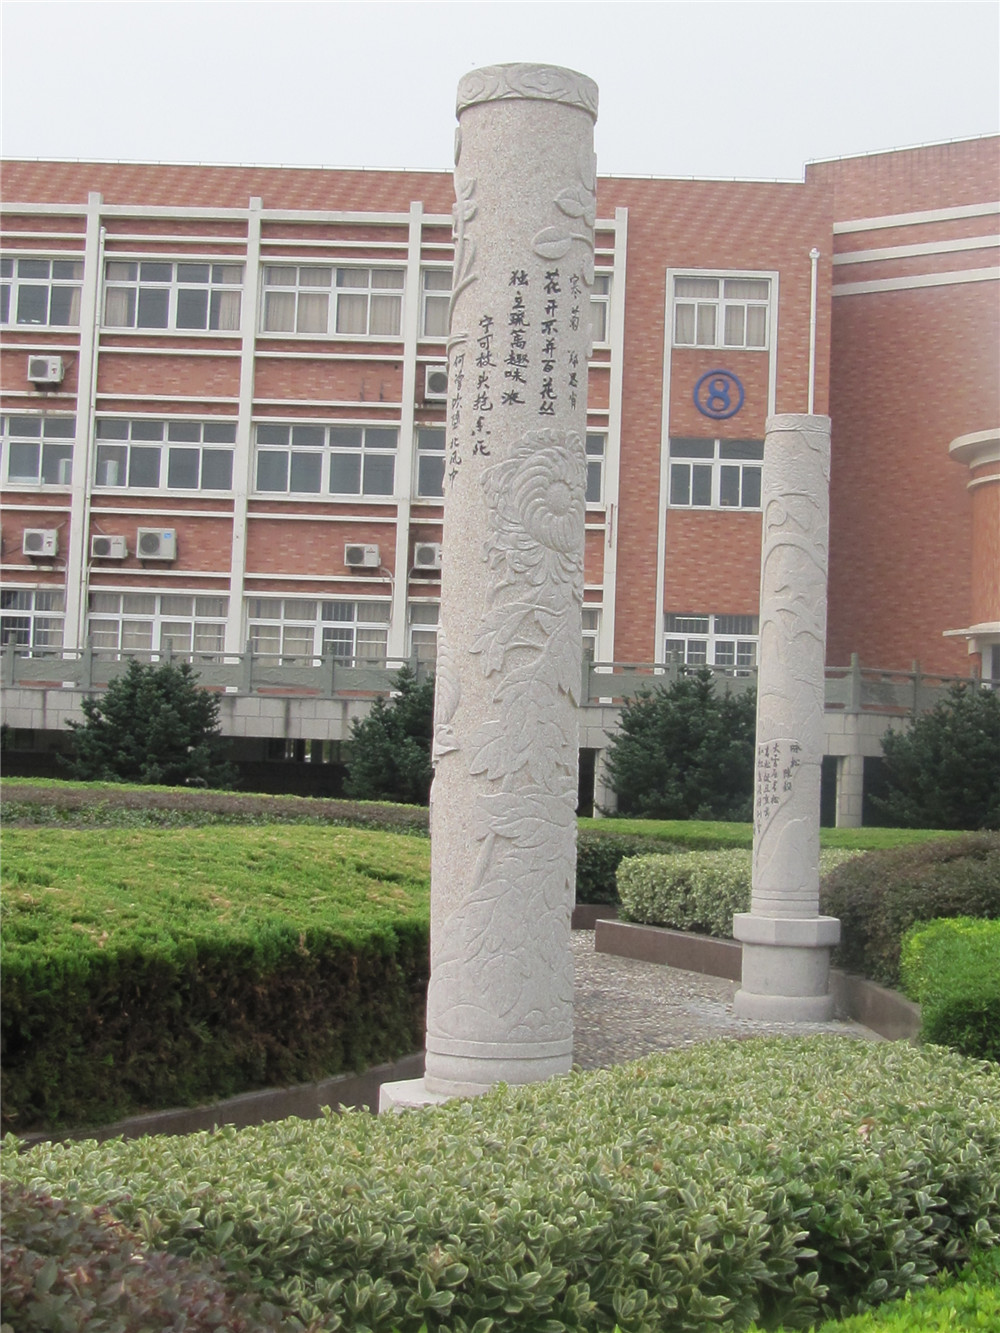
x=223, y=413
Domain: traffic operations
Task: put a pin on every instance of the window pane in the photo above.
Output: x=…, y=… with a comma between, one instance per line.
x=193, y=273
x=57, y=464
x=182, y=468
x=267, y=434
x=307, y=437
x=680, y=448
x=680, y=483
x=152, y=271
x=192, y=308
x=32, y=305
x=379, y=472
x=209, y=638
x=756, y=326
x=431, y=437
x=315, y=277
x=25, y=425
x=144, y=467
x=352, y=314
x=307, y=473
x=741, y=449
x=388, y=278
x=747, y=289
x=386, y=315
x=211, y=606
x=430, y=475
x=436, y=317
x=725, y=653
x=103, y=633
x=176, y=604
x=733, y=328
x=5, y=304
x=378, y=612
x=232, y=273
x=345, y=474
x=339, y=643
x=22, y=461
x=119, y=307
x=65, y=308
x=751, y=487
x=345, y=437
x=297, y=641
x=137, y=636
x=684, y=324
x=265, y=639
x=729, y=486
x=595, y=478
x=139, y=603
x=371, y=645
x=175, y=635
x=381, y=437
x=217, y=469
x=701, y=485
x=599, y=321
x=279, y=312
x=119, y=270
x=184, y=432
x=112, y=464
x=152, y=308
x=704, y=287
x=352, y=277
x=706, y=326
x=224, y=314
x=314, y=312
x=272, y=471
x=220, y=432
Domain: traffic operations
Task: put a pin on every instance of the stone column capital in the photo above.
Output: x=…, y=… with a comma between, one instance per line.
x=537, y=83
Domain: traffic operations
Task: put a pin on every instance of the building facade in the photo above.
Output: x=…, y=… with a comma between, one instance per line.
x=224, y=412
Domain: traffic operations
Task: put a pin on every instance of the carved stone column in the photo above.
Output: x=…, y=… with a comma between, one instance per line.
x=786, y=943
x=503, y=822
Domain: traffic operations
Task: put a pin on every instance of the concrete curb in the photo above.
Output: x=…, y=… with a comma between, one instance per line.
x=884, y=1011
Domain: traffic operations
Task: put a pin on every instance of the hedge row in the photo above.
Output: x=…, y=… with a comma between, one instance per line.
x=769, y=1179
x=952, y=969
x=696, y=891
x=163, y=968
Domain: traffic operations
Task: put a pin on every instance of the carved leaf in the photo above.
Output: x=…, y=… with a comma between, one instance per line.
x=551, y=243
x=569, y=203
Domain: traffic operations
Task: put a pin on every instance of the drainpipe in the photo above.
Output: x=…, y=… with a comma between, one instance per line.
x=814, y=257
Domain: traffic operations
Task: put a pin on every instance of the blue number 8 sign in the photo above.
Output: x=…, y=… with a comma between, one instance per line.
x=718, y=394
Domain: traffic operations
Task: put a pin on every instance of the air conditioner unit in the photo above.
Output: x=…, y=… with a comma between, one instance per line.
x=40, y=541
x=435, y=384
x=427, y=555
x=156, y=543
x=361, y=557
x=108, y=548
x=45, y=369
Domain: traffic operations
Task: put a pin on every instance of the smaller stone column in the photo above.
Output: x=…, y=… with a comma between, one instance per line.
x=786, y=943
x=850, y=790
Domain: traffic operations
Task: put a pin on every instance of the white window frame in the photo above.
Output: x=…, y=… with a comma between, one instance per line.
x=53, y=437
x=13, y=281
x=114, y=629
x=591, y=631
x=139, y=434
x=720, y=465
x=32, y=618
x=430, y=449
x=726, y=297
x=726, y=642
x=326, y=441
x=423, y=620
x=332, y=281
x=597, y=448
x=293, y=629
x=600, y=309
x=436, y=300
x=224, y=277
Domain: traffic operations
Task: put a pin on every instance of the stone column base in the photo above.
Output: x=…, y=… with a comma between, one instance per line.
x=407, y=1094
x=786, y=968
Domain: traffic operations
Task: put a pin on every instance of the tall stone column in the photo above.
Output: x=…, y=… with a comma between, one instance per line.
x=503, y=822
x=786, y=943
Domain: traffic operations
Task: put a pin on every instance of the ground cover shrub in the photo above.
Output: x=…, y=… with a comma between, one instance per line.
x=154, y=968
x=696, y=891
x=66, y=1268
x=598, y=856
x=879, y=896
x=969, y=1299
x=769, y=1179
x=952, y=969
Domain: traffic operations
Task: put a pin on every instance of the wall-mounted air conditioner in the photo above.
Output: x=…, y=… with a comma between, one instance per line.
x=108, y=548
x=156, y=543
x=40, y=542
x=361, y=557
x=435, y=384
x=45, y=369
x=427, y=555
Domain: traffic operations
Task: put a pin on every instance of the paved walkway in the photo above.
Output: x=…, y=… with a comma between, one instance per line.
x=625, y=1009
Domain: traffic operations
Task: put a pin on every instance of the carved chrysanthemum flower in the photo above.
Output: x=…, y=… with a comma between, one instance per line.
x=537, y=496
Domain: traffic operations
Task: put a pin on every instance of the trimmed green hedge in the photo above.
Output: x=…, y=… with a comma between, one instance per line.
x=696, y=891
x=161, y=968
x=769, y=1179
x=952, y=969
x=879, y=896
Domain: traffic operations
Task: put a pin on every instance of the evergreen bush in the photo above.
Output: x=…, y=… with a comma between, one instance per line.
x=390, y=756
x=952, y=969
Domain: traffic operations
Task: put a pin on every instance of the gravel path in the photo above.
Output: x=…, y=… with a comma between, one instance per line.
x=625, y=1009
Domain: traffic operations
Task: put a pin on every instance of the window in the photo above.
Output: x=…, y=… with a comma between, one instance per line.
x=595, y=467
x=430, y=461
x=729, y=642
x=600, y=299
x=40, y=291
x=321, y=300
x=721, y=312
x=424, y=630
x=715, y=474
x=149, y=622
x=345, y=460
x=591, y=626
x=32, y=618
x=435, y=302
x=171, y=455
x=153, y=294
x=290, y=628
x=38, y=451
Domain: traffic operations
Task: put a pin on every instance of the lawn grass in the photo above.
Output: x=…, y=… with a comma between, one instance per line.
x=716, y=834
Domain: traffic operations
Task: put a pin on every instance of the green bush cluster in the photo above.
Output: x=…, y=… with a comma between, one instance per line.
x=66, y=1268
x=598, y=856
x=769, y=1179
x=879, y=896
x=155, y=969
x=952, y=969
x=696, y=891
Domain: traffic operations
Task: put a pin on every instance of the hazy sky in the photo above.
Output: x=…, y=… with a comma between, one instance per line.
x=710, y=89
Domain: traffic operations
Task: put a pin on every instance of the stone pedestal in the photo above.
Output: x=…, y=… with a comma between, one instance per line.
x=786, y=943
x=503, y=824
